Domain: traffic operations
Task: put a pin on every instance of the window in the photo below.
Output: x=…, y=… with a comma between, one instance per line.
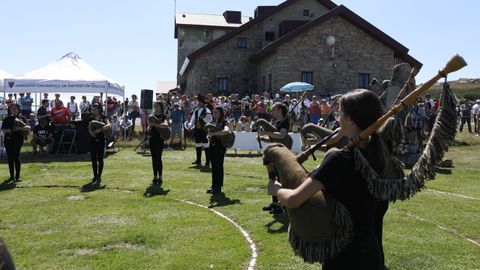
x=269, y=36
x=270, y=82
x=222, y=84
x=307, y=76
x=363, y=80
x=306, y=12
x=241, y=43
x=206, y=34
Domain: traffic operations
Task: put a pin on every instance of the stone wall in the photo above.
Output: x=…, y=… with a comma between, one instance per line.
x=292, y=13
x=191, y=39
x=355, y=52
x=226, y=61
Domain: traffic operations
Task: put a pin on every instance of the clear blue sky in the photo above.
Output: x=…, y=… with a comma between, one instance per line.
x=132, y=41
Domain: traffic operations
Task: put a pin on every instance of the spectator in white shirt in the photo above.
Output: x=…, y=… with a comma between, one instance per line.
x=476, y=114
x=73, y=108
x=126, y=128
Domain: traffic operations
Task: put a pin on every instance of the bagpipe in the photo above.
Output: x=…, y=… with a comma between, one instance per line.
x=165, y=132
x=227, y=140
x=264, y=125
x=321, y=227
x=201, y=119
x=106, y=129
x=19, y=125
x=312, y=134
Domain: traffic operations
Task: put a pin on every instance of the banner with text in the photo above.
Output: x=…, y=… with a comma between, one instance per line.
x=28, y=86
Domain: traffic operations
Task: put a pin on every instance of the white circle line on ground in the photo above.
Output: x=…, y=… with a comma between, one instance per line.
x=246, y=235
x=253, y=247
x=452, y=194
x=445, y=228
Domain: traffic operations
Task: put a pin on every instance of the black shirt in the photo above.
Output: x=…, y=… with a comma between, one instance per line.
x=9, y=123
x=154, y=134
x=219, y=126
x=44, y=131
x=337, y=173
x=283, y=124
x=43, y=111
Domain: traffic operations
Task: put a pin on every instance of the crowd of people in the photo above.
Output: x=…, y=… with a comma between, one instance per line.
x=241, y=113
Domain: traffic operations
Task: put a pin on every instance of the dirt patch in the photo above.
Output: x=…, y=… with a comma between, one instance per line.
x=91, y=251
x=85, y=251
x=76, y=198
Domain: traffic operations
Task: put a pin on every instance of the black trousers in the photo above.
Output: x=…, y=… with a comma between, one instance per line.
x=97, y=150
x=201, y=139
x=217, y=157
x=379, y=212
x=12, y=147
x=466, y=120
x=156, y=149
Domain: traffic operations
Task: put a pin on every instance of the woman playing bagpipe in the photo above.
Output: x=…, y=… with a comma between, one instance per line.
x=97, y=142
x=217, y=149
x=282, y=124
x=15, y=131
x=156, y=122
x=335, y=213
x=337, y=177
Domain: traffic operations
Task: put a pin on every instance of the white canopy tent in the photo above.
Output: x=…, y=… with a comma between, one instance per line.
x=3, y=75
x=70, y=74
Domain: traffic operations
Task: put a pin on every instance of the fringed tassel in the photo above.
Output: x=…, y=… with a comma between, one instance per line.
x=392, y=130
x=442, y=136
x=319, y=252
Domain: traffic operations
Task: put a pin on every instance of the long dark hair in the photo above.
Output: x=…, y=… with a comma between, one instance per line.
x=282, y=107
x=364, y=108
x=98, y=107
x=9, y=109
x=222, y=114
x=162, y=105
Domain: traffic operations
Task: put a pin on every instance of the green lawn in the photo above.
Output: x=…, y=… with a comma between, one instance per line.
x=57, y=227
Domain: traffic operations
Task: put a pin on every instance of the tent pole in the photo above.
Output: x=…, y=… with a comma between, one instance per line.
x=4, y=113
x=123, y=119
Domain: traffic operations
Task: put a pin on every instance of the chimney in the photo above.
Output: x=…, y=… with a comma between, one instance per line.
x=260, y=10
x=233, y=16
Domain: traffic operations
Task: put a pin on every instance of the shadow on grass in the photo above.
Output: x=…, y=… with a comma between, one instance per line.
x=201, y=168
x=7, y=185
x=155, y=190
x=443, y=170
x=90, y=187
x=244, y=155
x=28, y=157
x=220, y=199
x=281, y=219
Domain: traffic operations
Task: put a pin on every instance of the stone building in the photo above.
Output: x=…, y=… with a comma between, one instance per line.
x=314, y=41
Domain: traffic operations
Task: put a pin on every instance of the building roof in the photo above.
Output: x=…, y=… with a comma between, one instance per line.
x=327, y=3
x=198, y=19
x=400, y=50
x=165, y=87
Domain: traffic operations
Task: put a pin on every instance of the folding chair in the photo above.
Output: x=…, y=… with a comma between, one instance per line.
x=112, y=144
x=67, y=139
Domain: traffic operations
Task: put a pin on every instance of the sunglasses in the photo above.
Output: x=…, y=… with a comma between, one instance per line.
x=337, y=114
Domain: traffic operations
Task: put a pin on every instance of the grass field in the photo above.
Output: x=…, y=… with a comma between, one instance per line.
x=50, y=224
x=462, y=90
